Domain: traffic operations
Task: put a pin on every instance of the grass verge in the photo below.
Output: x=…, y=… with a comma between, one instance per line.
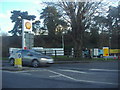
x=66, y=58
x=4, y=58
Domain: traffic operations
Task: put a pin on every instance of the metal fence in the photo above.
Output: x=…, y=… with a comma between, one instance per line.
x=68, y=53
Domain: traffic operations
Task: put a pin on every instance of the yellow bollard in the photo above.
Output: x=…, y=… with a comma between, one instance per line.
x=18, y=60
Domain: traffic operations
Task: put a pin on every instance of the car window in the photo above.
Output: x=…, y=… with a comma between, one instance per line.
x=19, y=51
x=25, y=52
x=35, y=52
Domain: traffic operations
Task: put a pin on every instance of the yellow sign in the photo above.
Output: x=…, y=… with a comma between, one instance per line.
x=28, y=25
x=114, y=50
x=18, y=60
x=105, y=51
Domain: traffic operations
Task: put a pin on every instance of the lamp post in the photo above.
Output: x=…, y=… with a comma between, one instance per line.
x=110, y=42
x=63, y=40
x=60, y=28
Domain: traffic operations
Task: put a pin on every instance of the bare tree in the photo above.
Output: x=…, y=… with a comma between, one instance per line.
x=79, y=14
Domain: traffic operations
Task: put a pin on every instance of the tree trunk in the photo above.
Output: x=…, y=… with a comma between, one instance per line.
x=78, y=42
x=78, y=49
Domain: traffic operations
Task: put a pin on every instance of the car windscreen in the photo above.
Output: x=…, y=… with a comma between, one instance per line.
x=35, y=52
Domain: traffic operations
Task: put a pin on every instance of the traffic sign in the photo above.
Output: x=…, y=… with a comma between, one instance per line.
x=18, y=60
x=19, y=55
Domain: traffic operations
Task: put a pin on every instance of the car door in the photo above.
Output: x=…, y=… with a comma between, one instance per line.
x=26, y=57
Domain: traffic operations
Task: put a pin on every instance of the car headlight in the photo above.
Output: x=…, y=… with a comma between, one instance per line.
x=43, y=58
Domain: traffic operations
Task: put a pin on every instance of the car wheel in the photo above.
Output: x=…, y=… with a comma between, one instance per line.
x=12, y=62
x=35, y=63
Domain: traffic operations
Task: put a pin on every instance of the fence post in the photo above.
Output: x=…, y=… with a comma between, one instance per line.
x=67, y=53
x=72, y=52
x=45, y=52
x=55, y=53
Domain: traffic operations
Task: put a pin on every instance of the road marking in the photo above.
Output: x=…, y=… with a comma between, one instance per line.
x=17, y=72
x=81, y=80
x=55, y=76
x=61, y=74
x=73, y=71
x=74, y=68
x=20, y=71
x=94, y=69
x=26, y=73
x=102, y=70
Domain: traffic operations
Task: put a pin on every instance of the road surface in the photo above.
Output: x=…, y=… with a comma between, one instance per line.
x=77, y=75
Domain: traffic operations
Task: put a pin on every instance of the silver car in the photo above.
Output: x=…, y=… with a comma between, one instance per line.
x=31, y=57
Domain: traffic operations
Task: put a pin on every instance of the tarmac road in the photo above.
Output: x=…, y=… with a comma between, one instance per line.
x=74, y=75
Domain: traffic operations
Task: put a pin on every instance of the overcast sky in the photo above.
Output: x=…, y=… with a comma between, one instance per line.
x=31, y=6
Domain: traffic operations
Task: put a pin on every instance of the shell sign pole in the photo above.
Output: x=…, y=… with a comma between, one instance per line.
x=105, y=51
x=26, y=27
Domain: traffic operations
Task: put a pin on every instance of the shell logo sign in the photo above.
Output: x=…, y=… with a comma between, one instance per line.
x=27, y=25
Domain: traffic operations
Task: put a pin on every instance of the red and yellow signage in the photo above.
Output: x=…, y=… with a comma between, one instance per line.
x=105, y=51
x=27, y=25
x=114, y=50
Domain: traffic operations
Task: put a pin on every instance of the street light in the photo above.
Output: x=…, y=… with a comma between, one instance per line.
x=110, y=42
x=61, y=29
x=63, y=39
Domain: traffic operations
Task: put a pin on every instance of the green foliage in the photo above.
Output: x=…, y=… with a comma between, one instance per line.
x=52, y=18
x=16, y=18
x=80, y=15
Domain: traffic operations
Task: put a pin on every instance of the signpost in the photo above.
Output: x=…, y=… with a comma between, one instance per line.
x=26, y=27
x=29, y=40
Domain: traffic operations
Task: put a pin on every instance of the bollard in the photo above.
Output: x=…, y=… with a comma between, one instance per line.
x=18, y=60
x=115, y=56
x=118, y=57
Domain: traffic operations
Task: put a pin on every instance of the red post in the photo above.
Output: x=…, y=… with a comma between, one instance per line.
x=25, y=48
x=115, y=56
x=119, y=57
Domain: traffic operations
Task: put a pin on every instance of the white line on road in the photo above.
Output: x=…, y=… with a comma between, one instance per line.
x=55, y=76
x=81, y=80
x=60, y=74
x=94, y=69
x=17, y=72
x=102, y=70
x=73, y=71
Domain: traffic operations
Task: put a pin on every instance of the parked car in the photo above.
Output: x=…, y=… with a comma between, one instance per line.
x=31, y=57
